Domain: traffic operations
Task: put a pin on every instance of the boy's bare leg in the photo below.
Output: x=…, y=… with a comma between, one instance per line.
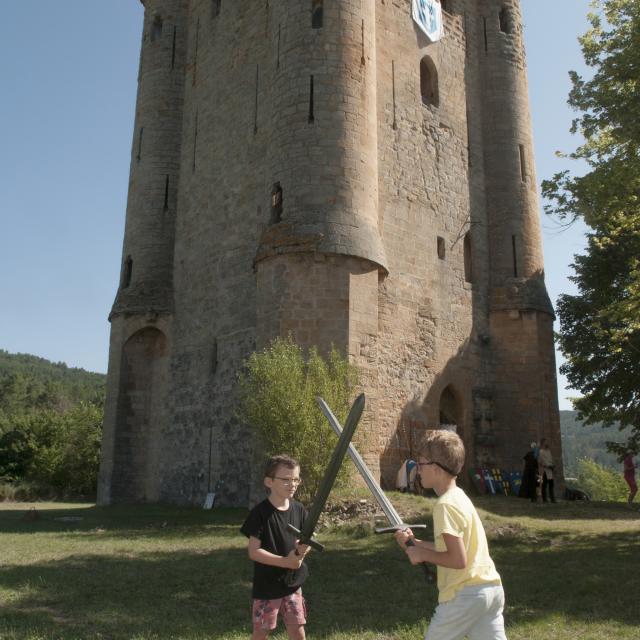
x=260, y=634
x=295, y=632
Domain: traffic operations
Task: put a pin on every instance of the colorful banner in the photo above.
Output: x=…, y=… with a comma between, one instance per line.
x=427, y=14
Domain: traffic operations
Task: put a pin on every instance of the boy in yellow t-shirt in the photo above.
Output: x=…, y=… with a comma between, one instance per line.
x=471, y=598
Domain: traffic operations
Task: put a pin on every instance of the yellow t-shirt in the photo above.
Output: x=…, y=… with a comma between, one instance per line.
x=455, y=514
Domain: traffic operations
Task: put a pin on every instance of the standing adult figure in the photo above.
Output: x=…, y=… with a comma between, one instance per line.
x=545, y=462
x=630, y=476
x=528, y=488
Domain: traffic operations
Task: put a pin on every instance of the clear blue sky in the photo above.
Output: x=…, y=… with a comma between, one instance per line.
x=66, y=116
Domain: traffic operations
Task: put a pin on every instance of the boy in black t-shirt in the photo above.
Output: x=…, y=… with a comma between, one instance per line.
x=278, y=570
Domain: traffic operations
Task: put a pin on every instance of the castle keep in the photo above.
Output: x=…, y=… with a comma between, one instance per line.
x=320, y=167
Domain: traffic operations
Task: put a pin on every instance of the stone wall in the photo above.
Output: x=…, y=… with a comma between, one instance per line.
x=351, y=184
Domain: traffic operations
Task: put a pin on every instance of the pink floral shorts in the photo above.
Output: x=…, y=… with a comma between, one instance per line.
x=291, y=607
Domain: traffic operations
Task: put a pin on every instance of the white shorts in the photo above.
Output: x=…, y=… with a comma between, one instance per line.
x=475, y=612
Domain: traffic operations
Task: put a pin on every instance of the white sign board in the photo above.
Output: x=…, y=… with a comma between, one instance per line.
x=427, y=14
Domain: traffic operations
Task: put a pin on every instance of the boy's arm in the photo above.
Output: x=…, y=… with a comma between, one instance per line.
x=455, y=557
x=258, y=554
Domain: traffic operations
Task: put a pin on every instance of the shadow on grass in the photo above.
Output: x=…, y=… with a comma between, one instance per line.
x=511, y=506
x=121, y=521
x=156, y=595
x=358, y=584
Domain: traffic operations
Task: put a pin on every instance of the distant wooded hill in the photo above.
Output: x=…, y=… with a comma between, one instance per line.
x=28, y=382
x=579, y=441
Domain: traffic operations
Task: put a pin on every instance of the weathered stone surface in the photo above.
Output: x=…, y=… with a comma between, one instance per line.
x=291, y=179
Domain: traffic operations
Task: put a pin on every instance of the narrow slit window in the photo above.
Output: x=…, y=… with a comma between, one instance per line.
x=311, y=106
x=429, y=82
x=468, y=259
x=173, y=48
x=139, y=154
x=442, y=251
x=156, y=29
x=255, y=110
x=166, y=193
x=195, y=55
x=276, y=203
x=523, y=163
x=515, y=256
x=216, y=7
x=316, y=14
x=128, y=272
x=195, y=143
x=484, y=27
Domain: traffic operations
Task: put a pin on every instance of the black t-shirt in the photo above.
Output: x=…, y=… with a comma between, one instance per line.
x=269, y=525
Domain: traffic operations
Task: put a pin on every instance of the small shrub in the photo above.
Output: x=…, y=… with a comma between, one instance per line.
x=278, y=399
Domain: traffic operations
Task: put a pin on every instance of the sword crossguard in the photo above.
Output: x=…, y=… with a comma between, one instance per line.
x=314, y=544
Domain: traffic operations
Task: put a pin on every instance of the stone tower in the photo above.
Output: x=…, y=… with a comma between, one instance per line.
x=319, y=167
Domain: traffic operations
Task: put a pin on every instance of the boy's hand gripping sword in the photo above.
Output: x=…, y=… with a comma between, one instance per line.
x=389, y=510
x=305, y=534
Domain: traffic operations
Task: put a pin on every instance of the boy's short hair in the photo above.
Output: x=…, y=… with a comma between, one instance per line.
x=445, y=448
x=279, y=461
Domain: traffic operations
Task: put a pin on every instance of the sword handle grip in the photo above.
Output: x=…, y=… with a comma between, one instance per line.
x=400, y=527
x=304, y=539
x=428, y=573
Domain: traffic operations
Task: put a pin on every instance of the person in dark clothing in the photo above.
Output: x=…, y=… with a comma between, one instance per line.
x=528, y=488
x=279, y=570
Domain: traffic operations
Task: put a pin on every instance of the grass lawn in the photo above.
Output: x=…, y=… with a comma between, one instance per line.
x=570, y=570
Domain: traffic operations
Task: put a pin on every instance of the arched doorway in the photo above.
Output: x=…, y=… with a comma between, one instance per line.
x=450, y=410
x=143, y=381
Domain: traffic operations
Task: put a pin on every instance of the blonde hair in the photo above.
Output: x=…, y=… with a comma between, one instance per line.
x=445, y=448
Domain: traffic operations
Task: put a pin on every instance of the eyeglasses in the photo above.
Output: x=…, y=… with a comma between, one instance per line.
x=287, y=482
x=426, y=464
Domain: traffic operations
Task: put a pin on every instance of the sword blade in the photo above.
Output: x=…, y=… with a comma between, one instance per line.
x=307, y=529
x=386, y=506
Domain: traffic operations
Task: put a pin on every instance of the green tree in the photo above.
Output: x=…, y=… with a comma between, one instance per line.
x=600, y=325
x=278, y=399
x=601, y=483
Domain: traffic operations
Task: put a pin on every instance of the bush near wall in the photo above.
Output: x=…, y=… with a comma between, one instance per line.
x=279, y=386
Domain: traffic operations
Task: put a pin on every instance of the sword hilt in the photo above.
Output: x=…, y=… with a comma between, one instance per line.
x=304, y=539
x=426, y=569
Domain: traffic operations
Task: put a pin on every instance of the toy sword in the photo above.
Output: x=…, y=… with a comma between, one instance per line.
x=385, y=504
x=305, y=534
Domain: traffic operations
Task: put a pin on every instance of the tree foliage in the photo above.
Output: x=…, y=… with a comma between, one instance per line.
x=50, y=426
x=600, y=482
x=600, y=325
x=278, y=399
x=58, y=452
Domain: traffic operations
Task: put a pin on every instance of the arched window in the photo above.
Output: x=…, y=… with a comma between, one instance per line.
x=156, y=29
x=429, y=82
x=316, y=14
x=450, y=412
x=468, y=259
